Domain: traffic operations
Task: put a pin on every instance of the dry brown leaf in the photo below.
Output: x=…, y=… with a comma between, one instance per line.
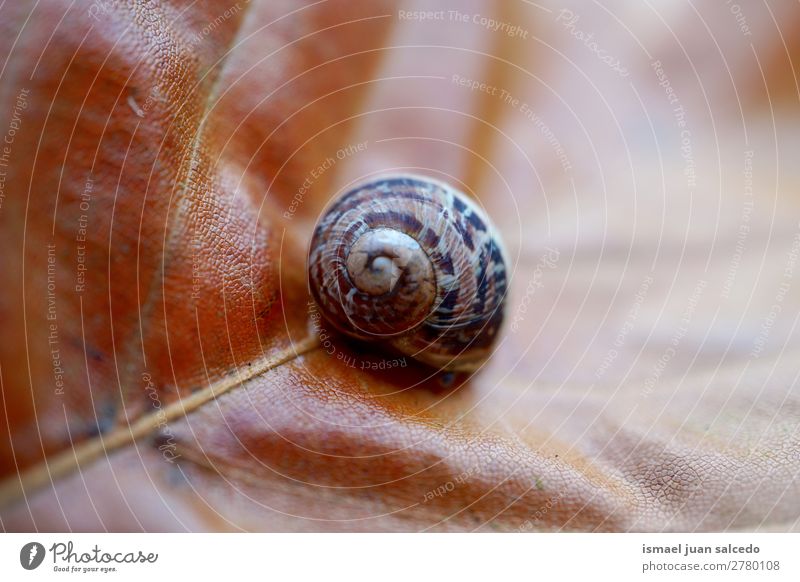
x=641, y=382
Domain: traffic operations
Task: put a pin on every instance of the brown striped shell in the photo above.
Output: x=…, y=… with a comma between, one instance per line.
x=412, y=263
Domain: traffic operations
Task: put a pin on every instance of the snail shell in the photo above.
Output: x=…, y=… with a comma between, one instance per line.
x=412, y=263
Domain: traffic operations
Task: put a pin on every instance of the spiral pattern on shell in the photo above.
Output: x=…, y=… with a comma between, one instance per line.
x=411, y=262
